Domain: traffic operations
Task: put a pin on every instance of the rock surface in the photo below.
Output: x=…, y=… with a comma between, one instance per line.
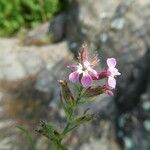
x=22, y=64
x=37, y=36
x=56, y=28
x=114, y=28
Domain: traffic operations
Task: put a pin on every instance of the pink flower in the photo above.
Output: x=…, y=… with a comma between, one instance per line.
x=84, y=70
x=111, y=62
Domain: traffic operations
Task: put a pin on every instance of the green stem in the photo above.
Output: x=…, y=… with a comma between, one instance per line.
x=79, y=95
x=58, y=146
x=68, y=127
x=65, y=131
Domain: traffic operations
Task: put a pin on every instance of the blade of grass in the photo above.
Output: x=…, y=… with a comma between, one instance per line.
x=28, y=136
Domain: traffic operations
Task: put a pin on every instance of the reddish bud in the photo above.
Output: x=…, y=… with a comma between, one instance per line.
x=94, y=91
x=102, y=74
x=84, y=56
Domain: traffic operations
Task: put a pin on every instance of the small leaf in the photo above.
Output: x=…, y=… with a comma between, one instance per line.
x=49, y=131
x=86, y=101
x=82, y=119
x=67, y=108
x=86, y=110
x=78, y=88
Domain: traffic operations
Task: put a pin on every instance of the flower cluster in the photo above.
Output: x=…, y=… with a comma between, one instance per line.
x=85, y=73
x=84, y=94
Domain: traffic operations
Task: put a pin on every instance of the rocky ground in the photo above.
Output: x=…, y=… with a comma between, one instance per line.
x=31, y=66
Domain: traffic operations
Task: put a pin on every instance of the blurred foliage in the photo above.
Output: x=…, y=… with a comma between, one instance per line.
x=17, y=14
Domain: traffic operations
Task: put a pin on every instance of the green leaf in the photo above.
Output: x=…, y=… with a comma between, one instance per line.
x=82, y=119
x=26, y=13
x=49, y=131
x=86, y=101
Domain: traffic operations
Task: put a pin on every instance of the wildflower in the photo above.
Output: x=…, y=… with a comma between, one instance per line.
x=111, y=63
x=84, y=70
x=111, y=72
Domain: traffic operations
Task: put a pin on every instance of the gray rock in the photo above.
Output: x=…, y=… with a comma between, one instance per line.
x=112, y=27
x=57, y=27
x=105, y=141
x=21, y=65
x=37, y=36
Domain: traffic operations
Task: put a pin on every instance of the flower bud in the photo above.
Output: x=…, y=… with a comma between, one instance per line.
x=84, y=56
x=65, y=92
x=102, y=74
x=94, y=91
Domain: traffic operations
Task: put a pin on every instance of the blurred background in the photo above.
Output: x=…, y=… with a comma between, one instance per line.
x=38, y=38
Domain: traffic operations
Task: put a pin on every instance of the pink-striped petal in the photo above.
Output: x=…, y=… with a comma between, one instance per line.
x=111, y=62
x=84, y=56
x=71, y=67
x=93, y=73
x=86, y=80
x=111, y=82
x=114, y=71
x=104, y=74
x=73, y=77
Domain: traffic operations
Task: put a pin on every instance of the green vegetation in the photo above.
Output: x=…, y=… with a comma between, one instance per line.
x=17, y=14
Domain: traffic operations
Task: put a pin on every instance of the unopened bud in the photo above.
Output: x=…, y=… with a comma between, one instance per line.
x=102, y=74
x=94, y=91
x=83, y=54
x=66, y=93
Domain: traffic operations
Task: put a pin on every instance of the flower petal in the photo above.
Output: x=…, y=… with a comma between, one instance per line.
x=93, y=73
x=73, y=77
x=84, y=56
x=71, y=67
x=112, y=82
x=111, y=62
x=117, y=73
x=86, y=80
x=114, y=71
x=103, y=74
x=94, y=61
